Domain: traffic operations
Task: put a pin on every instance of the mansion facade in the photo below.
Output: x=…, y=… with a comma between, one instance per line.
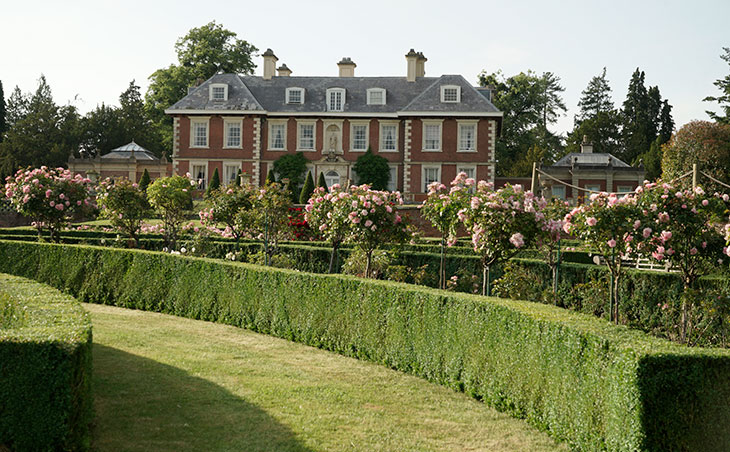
x=428, y=128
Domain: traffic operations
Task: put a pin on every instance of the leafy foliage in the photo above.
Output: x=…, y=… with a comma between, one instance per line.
x=172, y=198
x=201, y=53
x=292, y=167
x=125, y=204
x=723, y=99
x=231, y=207
x=307, y=190
x=702, y=142
x=215, y=183
x=372, y=170
x=144, y=181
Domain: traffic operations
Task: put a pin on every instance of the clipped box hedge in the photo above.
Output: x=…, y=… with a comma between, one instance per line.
x=45, y=368
x=592, y=384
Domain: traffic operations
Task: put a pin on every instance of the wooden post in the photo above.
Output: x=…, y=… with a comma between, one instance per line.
x=694, y=176
x=533, y=185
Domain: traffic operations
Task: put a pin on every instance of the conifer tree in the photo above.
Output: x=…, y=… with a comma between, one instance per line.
x=596, y=98
x=724, y=99
x=215, y=183
x=3, y=123
x=144, y=181
x=307, y=189
x=322, y=182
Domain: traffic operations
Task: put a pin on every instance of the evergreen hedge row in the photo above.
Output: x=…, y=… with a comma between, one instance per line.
x=45, y=368
x=592, y=384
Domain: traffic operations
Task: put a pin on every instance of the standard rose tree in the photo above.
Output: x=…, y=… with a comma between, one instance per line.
x=501, y=223
x=681, y=228
x=441, y=208
x=49, y=196
x=607, y=225
x=327, y=212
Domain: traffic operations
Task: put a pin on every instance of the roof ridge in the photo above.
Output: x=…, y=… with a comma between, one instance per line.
x=258, y=104
x=422, y=94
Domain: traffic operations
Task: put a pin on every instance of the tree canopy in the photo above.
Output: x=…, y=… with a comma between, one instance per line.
x=723, y=99
x=530, y=103
x=201, y=53
x=373, y=170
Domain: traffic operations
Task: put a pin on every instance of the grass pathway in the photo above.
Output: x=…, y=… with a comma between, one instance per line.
x=165, y=383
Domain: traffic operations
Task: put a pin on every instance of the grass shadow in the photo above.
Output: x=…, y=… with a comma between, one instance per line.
x=142, y=405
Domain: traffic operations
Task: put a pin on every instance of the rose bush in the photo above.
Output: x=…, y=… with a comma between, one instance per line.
x=125, y=205
x=49, y=196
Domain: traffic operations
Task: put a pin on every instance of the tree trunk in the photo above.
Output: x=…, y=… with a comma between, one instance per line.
x=333, y=257
x=442, y=270
x=486, y=283
x=368, y=257
x=615, y=298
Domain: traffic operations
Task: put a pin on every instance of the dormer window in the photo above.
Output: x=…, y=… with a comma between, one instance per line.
x=218, y=91
x=450, y=94
x=376, y=96
x=295, y=95
x=335, y=99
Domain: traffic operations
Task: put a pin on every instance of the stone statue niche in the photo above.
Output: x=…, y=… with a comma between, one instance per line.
x=334, y=143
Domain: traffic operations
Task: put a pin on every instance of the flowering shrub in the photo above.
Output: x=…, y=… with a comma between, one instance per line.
x=230, y=206
x=269, y=216
x=172, y=198
x=328, y=214
x=125, y=205
x=441, y=208
x=501, y=222
x=374, y=220
x=298, y=224
x=49, y=196
x=550, y=220
x=679, y=228
x=608, y=225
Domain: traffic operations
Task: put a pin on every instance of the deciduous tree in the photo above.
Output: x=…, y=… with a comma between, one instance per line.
x=372, y=170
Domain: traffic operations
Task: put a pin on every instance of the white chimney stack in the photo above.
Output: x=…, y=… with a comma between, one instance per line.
x=411, y=58
x=269, y=64
x=283, y=71
x=347, y=67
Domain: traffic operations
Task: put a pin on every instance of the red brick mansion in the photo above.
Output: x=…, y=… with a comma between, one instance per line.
x=428, y=128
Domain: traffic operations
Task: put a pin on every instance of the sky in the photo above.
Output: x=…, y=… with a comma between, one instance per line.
x=89, y=51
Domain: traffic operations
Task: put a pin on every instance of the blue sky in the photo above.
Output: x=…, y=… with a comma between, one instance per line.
x=90, y=50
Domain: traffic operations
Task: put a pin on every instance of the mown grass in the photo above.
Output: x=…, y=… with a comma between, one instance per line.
x=170, y=384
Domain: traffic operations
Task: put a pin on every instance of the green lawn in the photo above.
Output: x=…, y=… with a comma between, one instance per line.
x=165, y=383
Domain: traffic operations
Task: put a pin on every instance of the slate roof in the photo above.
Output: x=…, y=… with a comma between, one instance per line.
x=253, y=94
x=594, y=160
x=125, y=152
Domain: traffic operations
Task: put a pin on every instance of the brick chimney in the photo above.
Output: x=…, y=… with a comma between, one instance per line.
x=283, y=71
x=412, y=59
x=347, y=67
x=421, y=65
x=269, y=64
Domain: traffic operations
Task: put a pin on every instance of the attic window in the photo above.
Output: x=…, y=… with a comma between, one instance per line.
x=295, y=95
x=218, y=91
x=450, y=94
x=376, y=96
x=335, y=99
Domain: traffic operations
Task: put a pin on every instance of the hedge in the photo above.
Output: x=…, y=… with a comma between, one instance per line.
x=592, y=384
x=45, y=368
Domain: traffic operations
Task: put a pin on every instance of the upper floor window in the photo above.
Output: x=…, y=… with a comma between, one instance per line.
x=467, y=136
x=199, y=133
x=432, y=136
x=388, y=137
x=450, y=93
x=277, y=136
x=218, y=91
x=232, y=133
x=306, y=137
x=359, y=137
x=335, y=99
x=431, y=174
x=376, y=96
x=295, y=95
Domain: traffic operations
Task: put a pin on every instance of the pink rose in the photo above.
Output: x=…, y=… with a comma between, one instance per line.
x=646, y=232
x=611, y=243
x=591, y=221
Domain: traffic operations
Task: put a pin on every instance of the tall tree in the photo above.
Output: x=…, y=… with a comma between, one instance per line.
x=201, y=53
x=645, y=116
x=595, y=99
x=597, y=119
x=530, y=103
x=17, y=107
x=702, y=142
x=723, y=99
x=101, y=131
x=42, y=133
x=3, y=123
x=134, y=120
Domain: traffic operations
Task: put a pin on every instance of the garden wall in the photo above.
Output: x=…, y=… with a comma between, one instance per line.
x=45, y=368
x=595, y=385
